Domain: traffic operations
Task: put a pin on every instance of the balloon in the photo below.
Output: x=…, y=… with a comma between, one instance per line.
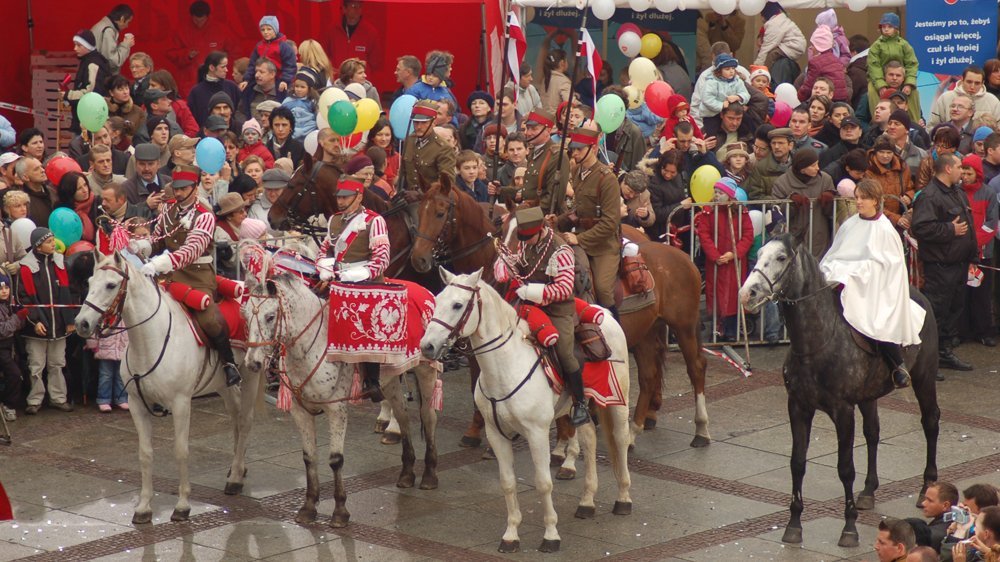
x=630, y=44
x=657, y=94
x=787, y=93
x=857, y=5
x=666, y=5
x=367, y=110
x=627, y=27
x=610, y=112
x=639, y=5
x=603, y=9
x=57, y=168
x=342, y=117
x=79, y=246
x=724, y=7
x=321, y=122
x=327, y=98
x=782, y=113
x=92, y=111
x=757, y=218
x=740, y=194
x=210, y=155
x=60, y=246
x=651, y=45
x=634, y=96
x=399, y=115
x=311, y=142
x=846, y=188
x=641, y=72
x=752, y=7
x=703, y=183
x=21, y=231
x=66, y=225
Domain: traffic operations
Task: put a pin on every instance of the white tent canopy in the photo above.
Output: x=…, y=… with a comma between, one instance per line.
x=708, y=4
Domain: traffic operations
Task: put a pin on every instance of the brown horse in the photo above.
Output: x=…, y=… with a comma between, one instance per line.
x=451, y=221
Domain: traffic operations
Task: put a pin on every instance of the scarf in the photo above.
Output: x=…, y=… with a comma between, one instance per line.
x=82, y=209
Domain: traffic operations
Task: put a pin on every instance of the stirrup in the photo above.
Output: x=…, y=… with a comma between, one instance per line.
x=579, y=415
x=233, y=377
x=373, y=389
x=900, y=377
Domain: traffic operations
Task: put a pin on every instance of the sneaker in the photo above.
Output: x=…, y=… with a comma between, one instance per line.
x=123, y=406
x=8, y=413
x=61, y=406
x=104, y=408
x=32, y=409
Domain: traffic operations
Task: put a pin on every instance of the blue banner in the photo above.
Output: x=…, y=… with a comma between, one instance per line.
x=949, y=35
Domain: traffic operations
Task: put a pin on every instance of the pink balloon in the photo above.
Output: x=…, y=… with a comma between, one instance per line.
x=628, y=27
x=657, y=97
x=782, y=113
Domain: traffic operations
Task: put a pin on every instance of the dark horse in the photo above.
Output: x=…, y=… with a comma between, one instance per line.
x=826, y=370
x=452, y=220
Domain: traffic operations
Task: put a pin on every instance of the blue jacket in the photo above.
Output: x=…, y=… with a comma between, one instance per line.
x=479, y=191
x=286, y=68
x=645, y=119
x=424, y=91
x=304, y=111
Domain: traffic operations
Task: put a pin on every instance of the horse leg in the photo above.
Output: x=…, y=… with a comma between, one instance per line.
x=473, y=434
x=801, y=418
x=587, y=437
x=564, y=431
x=691, y=349
x=182, y=427
x=239, y=407
x=336, y=415
x=394, y=394
x=384, y=414
x=645, y=361
x=306, y=425
x=869, y=415
x=930, y=418
x=426, y=379
x=617, y=434
x=538, y=441
x=567, y=471
x=510, y=542
x=143, y=422
x=390, y=433
x=843, y=419
x=659, y=340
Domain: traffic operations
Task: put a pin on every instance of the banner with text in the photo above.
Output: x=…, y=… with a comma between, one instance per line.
x=949, y=35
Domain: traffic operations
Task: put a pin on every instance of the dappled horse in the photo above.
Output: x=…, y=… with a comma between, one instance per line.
x=452, y=223
x=165, y=364
x=827, y=370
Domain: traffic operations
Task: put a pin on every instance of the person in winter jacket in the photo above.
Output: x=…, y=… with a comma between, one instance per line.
x=121, y=104
x=972, y=85
x=91, y=75
x=282, y=144
x=779, y=40
x=253, y=146
x=212, y=80
x=978, y=317
x=275, y=47
x=302, y=102
x=43, y=281
x=885, y=167
x=480, y=105
x=109, y=351
x=679, y=111
x=812, y=193
x=163, y=80
x=433, y=84
x=106, y=32
x=636, y=210
x=11, y=322
x=467, y=179
x=857, y=68
x=841, y=46
x=723, y=87
x=355, y=71
x=824, y=62
x=646, y=120
x=668, y=194
x=891, y=47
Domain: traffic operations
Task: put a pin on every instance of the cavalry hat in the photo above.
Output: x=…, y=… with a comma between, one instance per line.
x=147, y=152
x=784, y=132
x=540, y=117
x=275, y=179
x=216, y=123
x=530, y=221
x=581, y=137
x=185, y=176
x=350, y=185
x=39, y=235
x=229, y=204
x=424, y=110
x=178, y=142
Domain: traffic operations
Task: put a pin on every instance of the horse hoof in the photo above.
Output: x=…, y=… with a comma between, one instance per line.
x=143, y=518
x=565, y=474
x=305, y=516
x=848, y=539
x=488, y=454
x=509, y=547
x=470, y=442
x=233, y=488
x=650, y=423
x=631, y=447
x=865, y=503
x=792, y=535
x=700, y=441
x=556, y=460
x=380, y=425
x=390, y=438
x=585, y=512
x=549, y=546
x=429, y=483
x=181, y=514
x=622, y=508
x=406, y=481
x=340, y=520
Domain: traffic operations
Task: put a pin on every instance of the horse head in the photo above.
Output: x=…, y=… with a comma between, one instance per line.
x=106, y=294
x=777, y=273
x=435, y=213
x=457, y=313
x=262, y=313
x=309, y=192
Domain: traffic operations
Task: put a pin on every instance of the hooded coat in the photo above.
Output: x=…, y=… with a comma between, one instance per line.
x=722, y=282
x=674, y=103
x=825, y=63
x=983, y=202
x=808, y=225
x=895, y=179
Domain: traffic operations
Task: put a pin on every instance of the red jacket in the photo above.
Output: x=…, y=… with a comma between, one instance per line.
x=185, y=118
x=364, y=43
x=826, y=64
x=256, y=150
x=978, y=206
x=186, y=38
x=674, y=103
x=716, y=241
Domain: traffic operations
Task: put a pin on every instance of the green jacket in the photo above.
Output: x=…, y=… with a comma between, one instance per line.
x=885, y=49
x=761, y=181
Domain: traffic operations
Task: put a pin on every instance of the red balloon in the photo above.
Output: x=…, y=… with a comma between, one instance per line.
x=782, y=113
x=57, y=168
x=79, y=246
x=657, y=94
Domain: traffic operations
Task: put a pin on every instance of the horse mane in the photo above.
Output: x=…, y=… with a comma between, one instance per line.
x=489, y=293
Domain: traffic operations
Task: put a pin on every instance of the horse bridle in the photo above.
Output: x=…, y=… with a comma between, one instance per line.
x=455, y=331
x=295, y=217
x=111, y=316
x=440, y=252
x=779, y=296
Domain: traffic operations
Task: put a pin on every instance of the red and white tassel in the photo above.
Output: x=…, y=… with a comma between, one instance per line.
x=356, y=388
x=284, y=395
x=437, y=397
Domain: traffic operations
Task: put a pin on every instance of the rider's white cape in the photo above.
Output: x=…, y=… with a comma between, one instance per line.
x=867, y=258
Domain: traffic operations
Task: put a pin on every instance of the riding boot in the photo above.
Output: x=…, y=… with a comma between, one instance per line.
x=579, y=415
x=372, y=384
x=221, y=345
x=893, y=356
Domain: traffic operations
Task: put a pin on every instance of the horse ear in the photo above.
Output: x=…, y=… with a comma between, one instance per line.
x=474, y=277
x=446, y=275
x=307, y=159
x=446, y=183
x=422, y=183
x=272, y=289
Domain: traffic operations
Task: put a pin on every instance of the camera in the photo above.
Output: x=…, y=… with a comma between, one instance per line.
x=958, y=515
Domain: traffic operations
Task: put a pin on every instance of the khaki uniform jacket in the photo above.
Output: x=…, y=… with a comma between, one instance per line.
x=543, y=180
x=428, y=160
x=597, y=211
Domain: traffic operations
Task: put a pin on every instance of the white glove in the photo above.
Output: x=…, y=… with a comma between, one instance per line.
x=629, y=249
x=140, y=247
x=158, y=265
x=354, y=275
x=531, y=292
x=325, y=266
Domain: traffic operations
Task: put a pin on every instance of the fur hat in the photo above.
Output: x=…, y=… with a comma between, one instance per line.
x=822, y=38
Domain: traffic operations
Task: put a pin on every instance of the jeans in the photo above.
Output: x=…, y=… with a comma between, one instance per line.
x=109, y=383
x=772, y=321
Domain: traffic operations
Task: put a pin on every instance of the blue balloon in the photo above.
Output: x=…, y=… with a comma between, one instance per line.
x=399, y=115
x=66, y=225
x=210, y=155
x=740, y=194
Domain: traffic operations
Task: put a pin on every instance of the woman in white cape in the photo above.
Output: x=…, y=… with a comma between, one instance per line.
x=867, y=259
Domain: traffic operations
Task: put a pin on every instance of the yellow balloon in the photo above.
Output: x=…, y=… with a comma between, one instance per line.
x=651, y=45
x=641, y=72
x=368, y=112
x=703, y=183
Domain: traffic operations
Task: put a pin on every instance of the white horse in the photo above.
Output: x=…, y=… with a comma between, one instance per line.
x=515, y=397
x=164, y=365
x=282, y=311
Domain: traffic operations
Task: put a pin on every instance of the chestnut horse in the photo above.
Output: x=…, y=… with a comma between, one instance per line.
x=451, y=221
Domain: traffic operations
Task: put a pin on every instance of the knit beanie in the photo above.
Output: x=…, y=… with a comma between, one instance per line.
x=220, y=97
x=889, y=18
x=39, y=235
x=675, y=103
x=308, y=75
x=152, y=121
x=726, y=185
x=756, y=71
x=4, y=280
x=85, y=38
x=251, y=125
x=827, y=17
x=479, y=95
x=822, y=39
x=725, y=61
x=845, y=188
x=252, y=229
x=982, y=133
x=803, y=158
x=903, y=117
x=358, y=162
x=770, y=10
x=270, y=20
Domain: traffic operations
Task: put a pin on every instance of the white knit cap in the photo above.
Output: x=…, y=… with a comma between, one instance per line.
x=756, y=71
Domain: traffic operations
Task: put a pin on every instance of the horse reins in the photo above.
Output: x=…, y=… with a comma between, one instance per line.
x=441, y=253
x=779, y=295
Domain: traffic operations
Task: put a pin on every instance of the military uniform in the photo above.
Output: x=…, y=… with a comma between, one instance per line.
x=427, y=157
x=544, y=179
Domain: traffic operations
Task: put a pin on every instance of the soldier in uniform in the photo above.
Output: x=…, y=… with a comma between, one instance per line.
x=425, y=155
x=545, y=269
x=594, y=224
x=189, y=258
x=544, y=180
x=356, y=249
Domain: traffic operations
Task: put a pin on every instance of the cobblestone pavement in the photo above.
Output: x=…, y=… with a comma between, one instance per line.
x=73, y=480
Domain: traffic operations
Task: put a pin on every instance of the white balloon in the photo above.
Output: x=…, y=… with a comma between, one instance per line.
x=321, y=121
x=724, y=7
x=757, y=219
x=857, y=5
x=787, y=93
x=21, y=230
x=311, y=142
x=665, y=5
x=639, y=5
x=682, y=5
x=752, y=7
x=327, y=98
x=603, y=9
x=630, y=44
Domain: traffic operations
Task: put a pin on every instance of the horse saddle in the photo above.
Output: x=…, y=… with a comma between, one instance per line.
x=591, y=344
x=633, y=287
x=235, y=324
x=863, y=342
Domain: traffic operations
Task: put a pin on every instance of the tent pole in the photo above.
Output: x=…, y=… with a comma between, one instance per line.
x=31, y=30
x=482, y=74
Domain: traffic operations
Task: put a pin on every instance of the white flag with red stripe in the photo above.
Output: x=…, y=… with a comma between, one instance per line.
x=516, y=48
x=588, y=50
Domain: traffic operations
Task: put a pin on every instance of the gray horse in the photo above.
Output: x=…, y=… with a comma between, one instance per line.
x=826, y=370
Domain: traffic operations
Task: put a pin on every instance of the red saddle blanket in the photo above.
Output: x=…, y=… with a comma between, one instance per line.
x=600, y=382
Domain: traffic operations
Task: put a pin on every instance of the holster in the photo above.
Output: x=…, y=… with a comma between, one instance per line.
x=590, y=339
x=636, y=274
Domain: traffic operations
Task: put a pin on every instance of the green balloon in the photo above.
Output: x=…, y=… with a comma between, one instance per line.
x=610, y=112
x=92, y=111
x=343, y=117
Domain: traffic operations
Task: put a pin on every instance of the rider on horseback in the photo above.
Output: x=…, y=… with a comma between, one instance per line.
x=356, y=249
x=425, y=155
x=184, y=232
x=544, y=266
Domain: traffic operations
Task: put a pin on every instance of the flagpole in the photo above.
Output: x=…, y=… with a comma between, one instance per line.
x=564, y=127
x=499, y=100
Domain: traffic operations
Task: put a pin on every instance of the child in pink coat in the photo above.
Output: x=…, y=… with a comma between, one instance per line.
x=109, y=352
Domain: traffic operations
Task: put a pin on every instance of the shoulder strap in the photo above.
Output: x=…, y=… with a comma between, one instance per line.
x=541, y=171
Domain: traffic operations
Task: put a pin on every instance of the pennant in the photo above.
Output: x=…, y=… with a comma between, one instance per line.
x=516, y=48
x=588, y=50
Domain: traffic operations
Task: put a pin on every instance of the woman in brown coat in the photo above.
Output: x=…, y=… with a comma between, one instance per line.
x=885, y=167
